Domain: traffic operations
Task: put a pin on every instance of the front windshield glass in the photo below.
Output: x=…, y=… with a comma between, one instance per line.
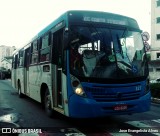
x=107, y=53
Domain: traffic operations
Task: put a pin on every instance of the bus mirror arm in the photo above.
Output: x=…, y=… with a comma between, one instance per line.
x=65, y=46
x=66, y=39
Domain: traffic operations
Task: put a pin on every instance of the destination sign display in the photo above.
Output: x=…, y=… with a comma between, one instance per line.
x=104, y=20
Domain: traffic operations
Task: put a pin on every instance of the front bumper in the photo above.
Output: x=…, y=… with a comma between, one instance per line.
x=81, y=107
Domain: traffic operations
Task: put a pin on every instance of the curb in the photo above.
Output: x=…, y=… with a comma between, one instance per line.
x=155, y=100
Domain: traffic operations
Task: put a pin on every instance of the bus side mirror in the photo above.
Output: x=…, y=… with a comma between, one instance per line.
x=145, y=36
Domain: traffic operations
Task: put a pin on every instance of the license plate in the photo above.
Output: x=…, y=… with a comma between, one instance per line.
x=120, y=107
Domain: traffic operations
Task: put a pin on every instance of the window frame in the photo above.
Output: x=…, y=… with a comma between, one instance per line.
x=158, y=37
x=158, y=55
x=158, y=3
x=158, y=20
x=34, y=51
x=45, y=47
x=21, y=58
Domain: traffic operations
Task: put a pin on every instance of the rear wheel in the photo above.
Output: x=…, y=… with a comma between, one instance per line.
x=47, y=104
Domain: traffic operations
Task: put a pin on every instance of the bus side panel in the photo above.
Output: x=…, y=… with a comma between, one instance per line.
x=45, y=76
x=35, y=75
x=20, y=77
x=14, y=78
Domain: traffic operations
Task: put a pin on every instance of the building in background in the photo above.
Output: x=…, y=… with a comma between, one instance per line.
x=154, y=64
x=6, y=62
x=155, y=29
x=5, y=56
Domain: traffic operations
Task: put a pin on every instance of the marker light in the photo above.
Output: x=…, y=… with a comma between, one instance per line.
x=75, y=83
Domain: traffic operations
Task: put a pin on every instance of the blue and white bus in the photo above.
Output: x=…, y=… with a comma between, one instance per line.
x=85, y=64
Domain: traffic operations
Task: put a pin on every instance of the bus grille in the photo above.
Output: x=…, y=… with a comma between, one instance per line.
x=105, y=95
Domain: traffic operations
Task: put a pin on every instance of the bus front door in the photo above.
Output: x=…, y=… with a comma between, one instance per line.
x=59, y=87
x=57, y=53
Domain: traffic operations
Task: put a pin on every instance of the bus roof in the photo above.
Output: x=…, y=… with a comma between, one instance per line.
x=81, y=16
x=101, y=17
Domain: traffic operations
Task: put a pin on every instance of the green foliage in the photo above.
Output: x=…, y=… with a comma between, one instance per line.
x=155, y=90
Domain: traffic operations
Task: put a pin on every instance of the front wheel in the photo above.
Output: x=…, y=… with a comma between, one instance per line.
x=47, y=104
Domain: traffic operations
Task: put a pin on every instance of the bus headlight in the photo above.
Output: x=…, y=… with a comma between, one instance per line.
x=77, y=87
x=79, y=91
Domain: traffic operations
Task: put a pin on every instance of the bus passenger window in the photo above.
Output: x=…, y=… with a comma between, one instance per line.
x=45, y=49
x=34, y=58
x=20, y=59
x=34, y=53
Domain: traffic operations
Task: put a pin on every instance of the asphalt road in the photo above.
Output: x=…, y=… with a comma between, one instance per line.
x=29, y=114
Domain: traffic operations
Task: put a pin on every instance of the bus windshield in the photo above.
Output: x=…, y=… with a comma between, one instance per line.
x=103, y=52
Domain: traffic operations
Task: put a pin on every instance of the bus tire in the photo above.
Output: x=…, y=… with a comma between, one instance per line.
x=47, y=104
x=19, y=90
